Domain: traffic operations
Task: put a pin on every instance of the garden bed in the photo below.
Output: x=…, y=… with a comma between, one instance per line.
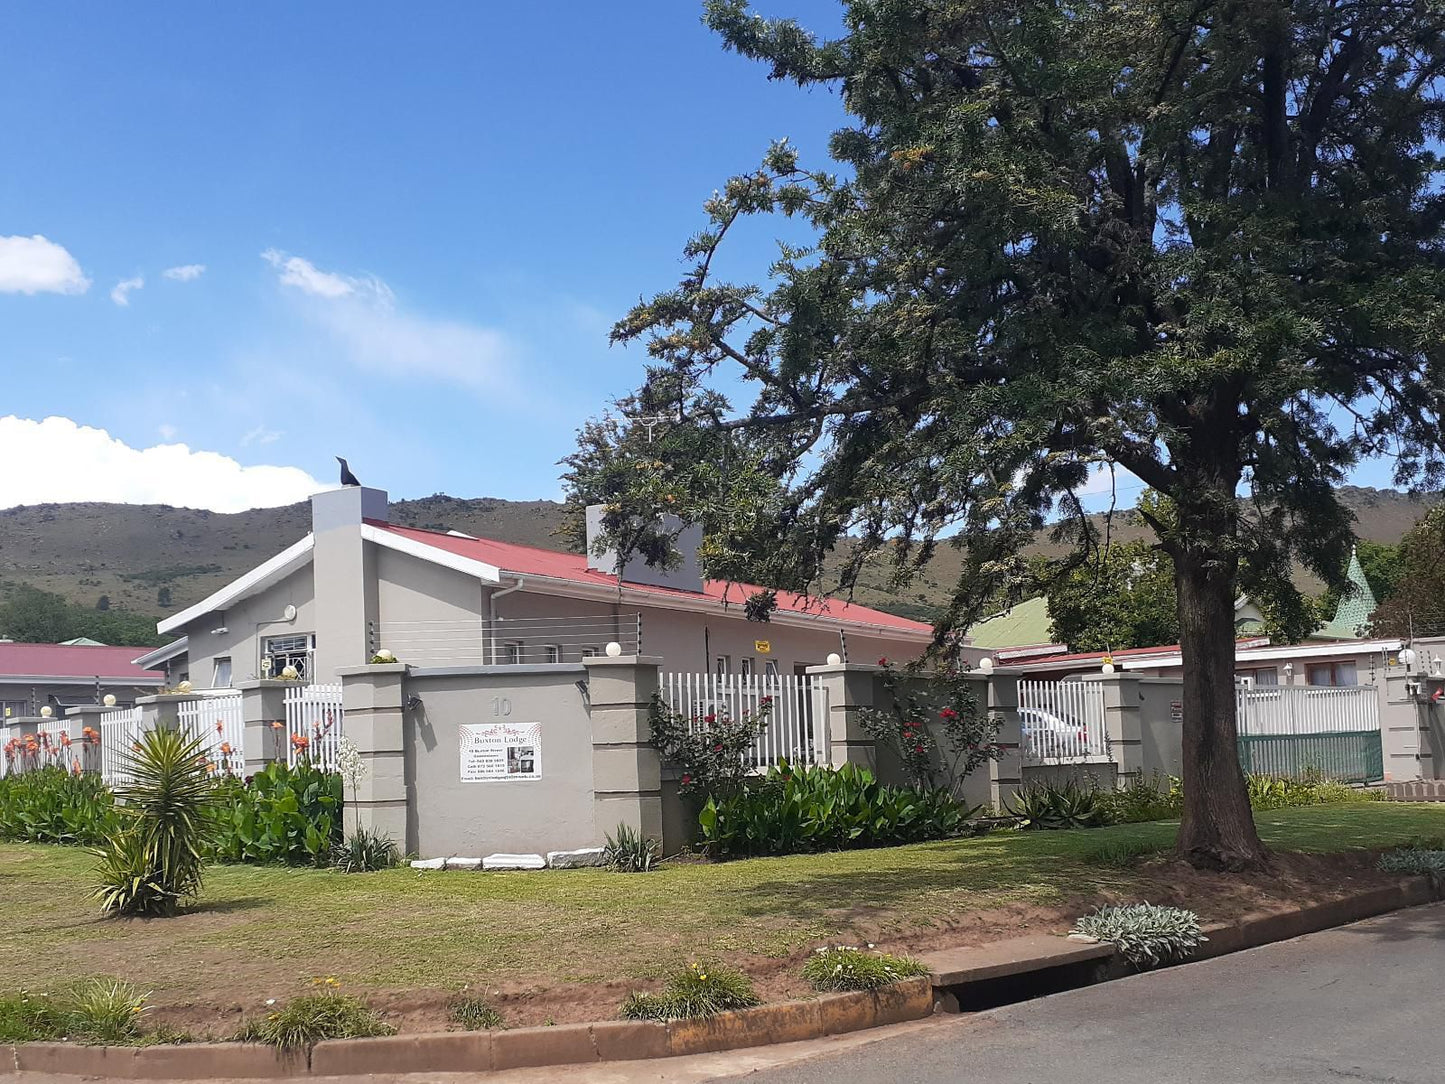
x=568, y=946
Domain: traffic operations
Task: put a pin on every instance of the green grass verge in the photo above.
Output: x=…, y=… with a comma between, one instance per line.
x=262, y=931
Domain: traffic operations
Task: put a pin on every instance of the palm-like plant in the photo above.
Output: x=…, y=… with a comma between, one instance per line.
x=154, y=863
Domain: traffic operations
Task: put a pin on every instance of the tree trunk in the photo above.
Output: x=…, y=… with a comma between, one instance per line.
x=1217, y=831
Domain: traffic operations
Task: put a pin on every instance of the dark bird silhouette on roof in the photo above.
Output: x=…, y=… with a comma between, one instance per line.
x=347, y=478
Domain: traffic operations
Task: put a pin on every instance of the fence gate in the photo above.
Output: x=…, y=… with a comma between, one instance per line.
x=220, y=724
x=313, y=725
x=1298, y=730
x=119, y=730
x=797, y=720
x=1063, y=721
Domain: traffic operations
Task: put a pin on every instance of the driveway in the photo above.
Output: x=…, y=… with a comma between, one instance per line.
x=1360, y=1003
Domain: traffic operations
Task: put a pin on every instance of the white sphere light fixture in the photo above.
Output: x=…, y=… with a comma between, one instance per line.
x=109, y=700
x=46, y=712
x=834, y=659
x=613, y=649
x=1407, y=658
x=1107, y=668
x=986, y=664
x=183, y=687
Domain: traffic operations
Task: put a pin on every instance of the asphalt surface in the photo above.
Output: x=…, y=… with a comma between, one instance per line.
x=1359, y=1003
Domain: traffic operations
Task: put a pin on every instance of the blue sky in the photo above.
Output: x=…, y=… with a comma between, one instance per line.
x=416, y=226
x=275, y=232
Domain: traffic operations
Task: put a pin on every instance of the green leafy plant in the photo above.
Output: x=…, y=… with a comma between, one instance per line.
x=30, y=1018
x=474, y=1014
x=700, y=989
x=310, y=1018
x=816, y=809
x=52, y=805
x=927, y=707
x=711, y=748
x=1145, y=798
x=1415, y=862
x=365, y=851
x=1310, y=788
x=105, y=1010
x=630, y=852
x=1145, y=934
x=1054, y=806
x=154, y=863
x=285, y=815
x=843, y=967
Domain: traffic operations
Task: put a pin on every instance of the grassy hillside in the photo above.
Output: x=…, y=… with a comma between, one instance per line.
x=133, y=553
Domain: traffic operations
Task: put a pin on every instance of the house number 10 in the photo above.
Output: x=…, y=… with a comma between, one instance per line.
x=501, y=705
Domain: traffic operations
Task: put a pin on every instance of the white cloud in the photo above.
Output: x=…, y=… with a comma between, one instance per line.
x=167, y=431
x=35, y=265
x=361, y=316
x=121, y=291
x=187, y=272
x=261, y=435
x=70, y=462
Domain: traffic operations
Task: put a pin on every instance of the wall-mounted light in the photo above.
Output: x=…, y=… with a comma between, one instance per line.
x=220, y=631
x=413, y=702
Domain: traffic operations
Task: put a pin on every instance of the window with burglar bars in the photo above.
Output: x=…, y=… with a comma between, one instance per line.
x=279, y=652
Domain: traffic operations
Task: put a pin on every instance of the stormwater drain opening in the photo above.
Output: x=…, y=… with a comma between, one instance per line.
x=980, y=994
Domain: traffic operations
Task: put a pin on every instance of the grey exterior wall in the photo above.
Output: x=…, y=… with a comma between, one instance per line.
x=447, y=817
x=1161, y=733
x=247, y=623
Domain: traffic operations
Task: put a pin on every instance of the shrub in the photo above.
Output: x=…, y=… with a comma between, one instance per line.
x=630, y=852
x=840, y=967
x=474, y=1014
x=1415, y=862
x=711, y=749
x=154, y=862
x=285, y=815
x=97, y=1010
x=700, y=989
x=1146, y=935
x=1053, y=806
x=821, y=809
x=30, y=1018
x=1156, y=798
x=922, y=703
x=51, y=805
x=1281, y=792
x=1122, y=854
x=365, y=852
x=310, y=1018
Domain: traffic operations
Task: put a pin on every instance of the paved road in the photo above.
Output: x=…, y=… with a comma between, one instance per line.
x=1361, y=1003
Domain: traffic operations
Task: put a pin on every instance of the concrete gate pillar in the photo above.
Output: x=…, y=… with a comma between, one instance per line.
x=263, y=703
x=372, y=699
x=626, y=768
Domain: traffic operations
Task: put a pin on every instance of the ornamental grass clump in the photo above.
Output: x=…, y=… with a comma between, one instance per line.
x=700, y=989
x=474, y=1014
x=843, y=967
x=95, y=1010
x=1145, y=934
x=629, y=851
x=310, y=1018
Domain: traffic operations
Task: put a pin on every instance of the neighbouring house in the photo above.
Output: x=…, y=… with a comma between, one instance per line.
x=34, y=676
x=358, y=583
x=171, y=660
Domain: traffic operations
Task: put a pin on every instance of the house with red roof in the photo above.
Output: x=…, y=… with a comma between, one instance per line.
x=358, y=584
x=34, y=676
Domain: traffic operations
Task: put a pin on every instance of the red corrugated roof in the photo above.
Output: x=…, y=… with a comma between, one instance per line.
x=554, y=564
x=74, y=661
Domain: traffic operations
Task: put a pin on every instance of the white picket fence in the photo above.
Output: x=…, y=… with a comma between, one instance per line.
x=219, y=722
x=313, y=713
x=119, y=730
x=1063, y=721
x=796, y=728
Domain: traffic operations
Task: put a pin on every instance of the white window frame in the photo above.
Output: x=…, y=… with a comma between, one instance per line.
x=512, y=652
x=722, y=666
x=219, y=665
x=552, y=652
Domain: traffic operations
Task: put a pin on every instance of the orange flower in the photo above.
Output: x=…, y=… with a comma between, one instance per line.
x=220, y=727
x=65, y=740
x=226, y=748
x=75, y=767
x=275, y=726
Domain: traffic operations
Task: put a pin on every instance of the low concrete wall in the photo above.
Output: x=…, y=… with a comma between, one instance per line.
x=446, y=816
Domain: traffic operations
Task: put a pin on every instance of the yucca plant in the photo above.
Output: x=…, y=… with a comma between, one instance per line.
x=154, y=862
x=629, y=851
x=365, y=851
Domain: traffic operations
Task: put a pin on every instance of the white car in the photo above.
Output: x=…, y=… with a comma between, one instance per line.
x=1049, y=735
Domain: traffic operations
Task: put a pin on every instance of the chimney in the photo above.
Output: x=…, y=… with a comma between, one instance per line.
x=684, y=576
x=343, y=570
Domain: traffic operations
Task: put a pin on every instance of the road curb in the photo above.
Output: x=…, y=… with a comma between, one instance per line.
x=621, y=1040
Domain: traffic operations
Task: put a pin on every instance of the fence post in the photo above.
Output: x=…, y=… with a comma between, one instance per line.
x=372, y=699
x=78, y=718
x=263, y=702
x=847, y=688
x=1006, y=774
x=162, y=711
x=1123, y=723
x=626, y=768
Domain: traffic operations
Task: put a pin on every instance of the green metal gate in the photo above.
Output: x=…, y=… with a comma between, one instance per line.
x=1300, y=730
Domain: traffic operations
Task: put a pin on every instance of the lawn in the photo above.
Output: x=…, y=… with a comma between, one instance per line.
x=264, y=932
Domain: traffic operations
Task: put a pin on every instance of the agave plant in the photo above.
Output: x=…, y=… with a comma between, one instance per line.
x=1054, y=806
x=154, y=863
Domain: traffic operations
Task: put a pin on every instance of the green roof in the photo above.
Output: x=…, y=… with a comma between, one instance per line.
x=1352, y=615
x=1023, y=625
